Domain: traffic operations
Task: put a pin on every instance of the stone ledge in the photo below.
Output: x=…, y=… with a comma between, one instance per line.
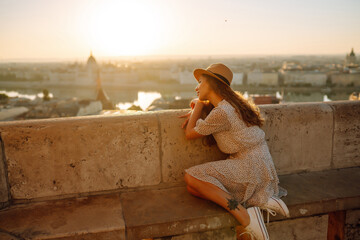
x=167, y=212
x=171, y=211
x=97, y=217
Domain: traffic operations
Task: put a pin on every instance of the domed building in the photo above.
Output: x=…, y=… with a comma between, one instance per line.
x=350, y=60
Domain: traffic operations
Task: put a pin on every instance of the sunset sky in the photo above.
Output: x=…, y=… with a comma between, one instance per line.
x=47, y=29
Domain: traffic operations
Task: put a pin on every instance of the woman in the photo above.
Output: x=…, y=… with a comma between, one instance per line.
x=247, y=180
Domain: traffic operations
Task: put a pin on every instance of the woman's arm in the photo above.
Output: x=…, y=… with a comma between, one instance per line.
x=190, y=133
x=190, y=122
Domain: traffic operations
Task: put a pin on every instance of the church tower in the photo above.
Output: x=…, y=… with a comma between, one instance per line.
x=350, y=60
x=92, y=68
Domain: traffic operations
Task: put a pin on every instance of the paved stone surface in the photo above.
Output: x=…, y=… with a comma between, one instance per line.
x=6, y=236
x=167, y=212
x=322, y=192
x=309, y=228
x=4, y=193
x=299, y=136
x=178, y=153
x=223, y=234
x=346, y=152
x=62, y=156
x=352, y=225
x=97, y=217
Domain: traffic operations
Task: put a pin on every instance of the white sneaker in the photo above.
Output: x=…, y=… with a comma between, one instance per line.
x=256, y=228
x=275, y=205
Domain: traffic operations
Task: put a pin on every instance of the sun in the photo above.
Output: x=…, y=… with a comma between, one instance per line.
x=128, y=28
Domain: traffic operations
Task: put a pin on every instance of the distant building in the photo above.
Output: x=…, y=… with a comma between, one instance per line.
x=257, y=78
x=77, y=75
x=238, y=79
x=350, y=60
x=168, y=75
x=303, y=78
x=345, y=79
x=291, y=66
x=186, y=77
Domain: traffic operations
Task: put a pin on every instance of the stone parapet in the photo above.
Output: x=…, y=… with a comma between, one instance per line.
x=55, y=158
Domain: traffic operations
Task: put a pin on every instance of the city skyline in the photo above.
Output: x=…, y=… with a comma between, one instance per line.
x=71, y=29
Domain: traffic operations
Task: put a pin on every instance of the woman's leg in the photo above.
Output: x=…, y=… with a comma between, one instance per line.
x=213, y=193
x=194, y=192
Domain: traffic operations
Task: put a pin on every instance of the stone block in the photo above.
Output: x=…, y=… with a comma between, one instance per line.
x=74, y=155
x=178, y=153
x=299, y=136
x=352, y=225
x=223, y=234
x=4, y=193
x=321, y=192
x=346, y=148
x=308, y=228
x=96, y=217
x=168, y=212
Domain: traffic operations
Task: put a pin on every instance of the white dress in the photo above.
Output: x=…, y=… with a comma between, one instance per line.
x=248, y=174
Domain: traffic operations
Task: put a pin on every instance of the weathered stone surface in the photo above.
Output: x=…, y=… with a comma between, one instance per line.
x=55, y=157
x=83, y=154
x=309, y=228
x=346, y=149
x=7, y=236
x=322, y=192
x=169, y=212
x=223, y=234
x=4, y=193
x=178, y=153
x=299, y=136
x=352, y=225
x=173, y=211
x=97, y=217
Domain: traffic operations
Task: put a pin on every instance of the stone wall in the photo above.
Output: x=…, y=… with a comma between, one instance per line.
x=53, y=158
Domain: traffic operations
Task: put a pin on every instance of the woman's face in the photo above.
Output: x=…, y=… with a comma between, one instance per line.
x=203, y=89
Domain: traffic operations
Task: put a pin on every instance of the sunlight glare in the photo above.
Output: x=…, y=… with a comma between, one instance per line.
x=145, y=99
x=124, y=28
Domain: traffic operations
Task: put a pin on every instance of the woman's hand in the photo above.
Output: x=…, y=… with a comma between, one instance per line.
x=190, y=120
x=193, y=102
x=187, y=116
x=197, y=101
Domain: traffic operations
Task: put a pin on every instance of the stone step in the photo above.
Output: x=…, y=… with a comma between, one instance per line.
x=95, y=217
x=168, y=212
x=157, y=213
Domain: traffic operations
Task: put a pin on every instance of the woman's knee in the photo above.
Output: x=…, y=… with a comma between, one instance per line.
x=187, y=179
x=190, y=180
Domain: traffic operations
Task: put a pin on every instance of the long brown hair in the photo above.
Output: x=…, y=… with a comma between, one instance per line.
x=246, y=109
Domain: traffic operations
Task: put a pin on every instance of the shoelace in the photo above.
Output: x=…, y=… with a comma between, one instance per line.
x=269, y=211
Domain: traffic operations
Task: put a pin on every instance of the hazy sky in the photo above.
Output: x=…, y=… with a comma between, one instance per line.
x=71, y=28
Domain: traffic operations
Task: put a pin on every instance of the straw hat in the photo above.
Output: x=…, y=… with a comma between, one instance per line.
x=216, y=70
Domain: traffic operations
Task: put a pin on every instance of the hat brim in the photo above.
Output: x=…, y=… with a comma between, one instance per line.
x=199, y=71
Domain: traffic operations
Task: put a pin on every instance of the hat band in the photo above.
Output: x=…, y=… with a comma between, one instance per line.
x=220, y=76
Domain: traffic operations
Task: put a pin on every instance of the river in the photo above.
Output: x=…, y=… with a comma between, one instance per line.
x=143, y=97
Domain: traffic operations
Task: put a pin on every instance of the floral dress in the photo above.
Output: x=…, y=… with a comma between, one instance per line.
x=248, y=174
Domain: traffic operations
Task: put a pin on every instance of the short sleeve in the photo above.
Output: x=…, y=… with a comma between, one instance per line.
x=216, y=121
